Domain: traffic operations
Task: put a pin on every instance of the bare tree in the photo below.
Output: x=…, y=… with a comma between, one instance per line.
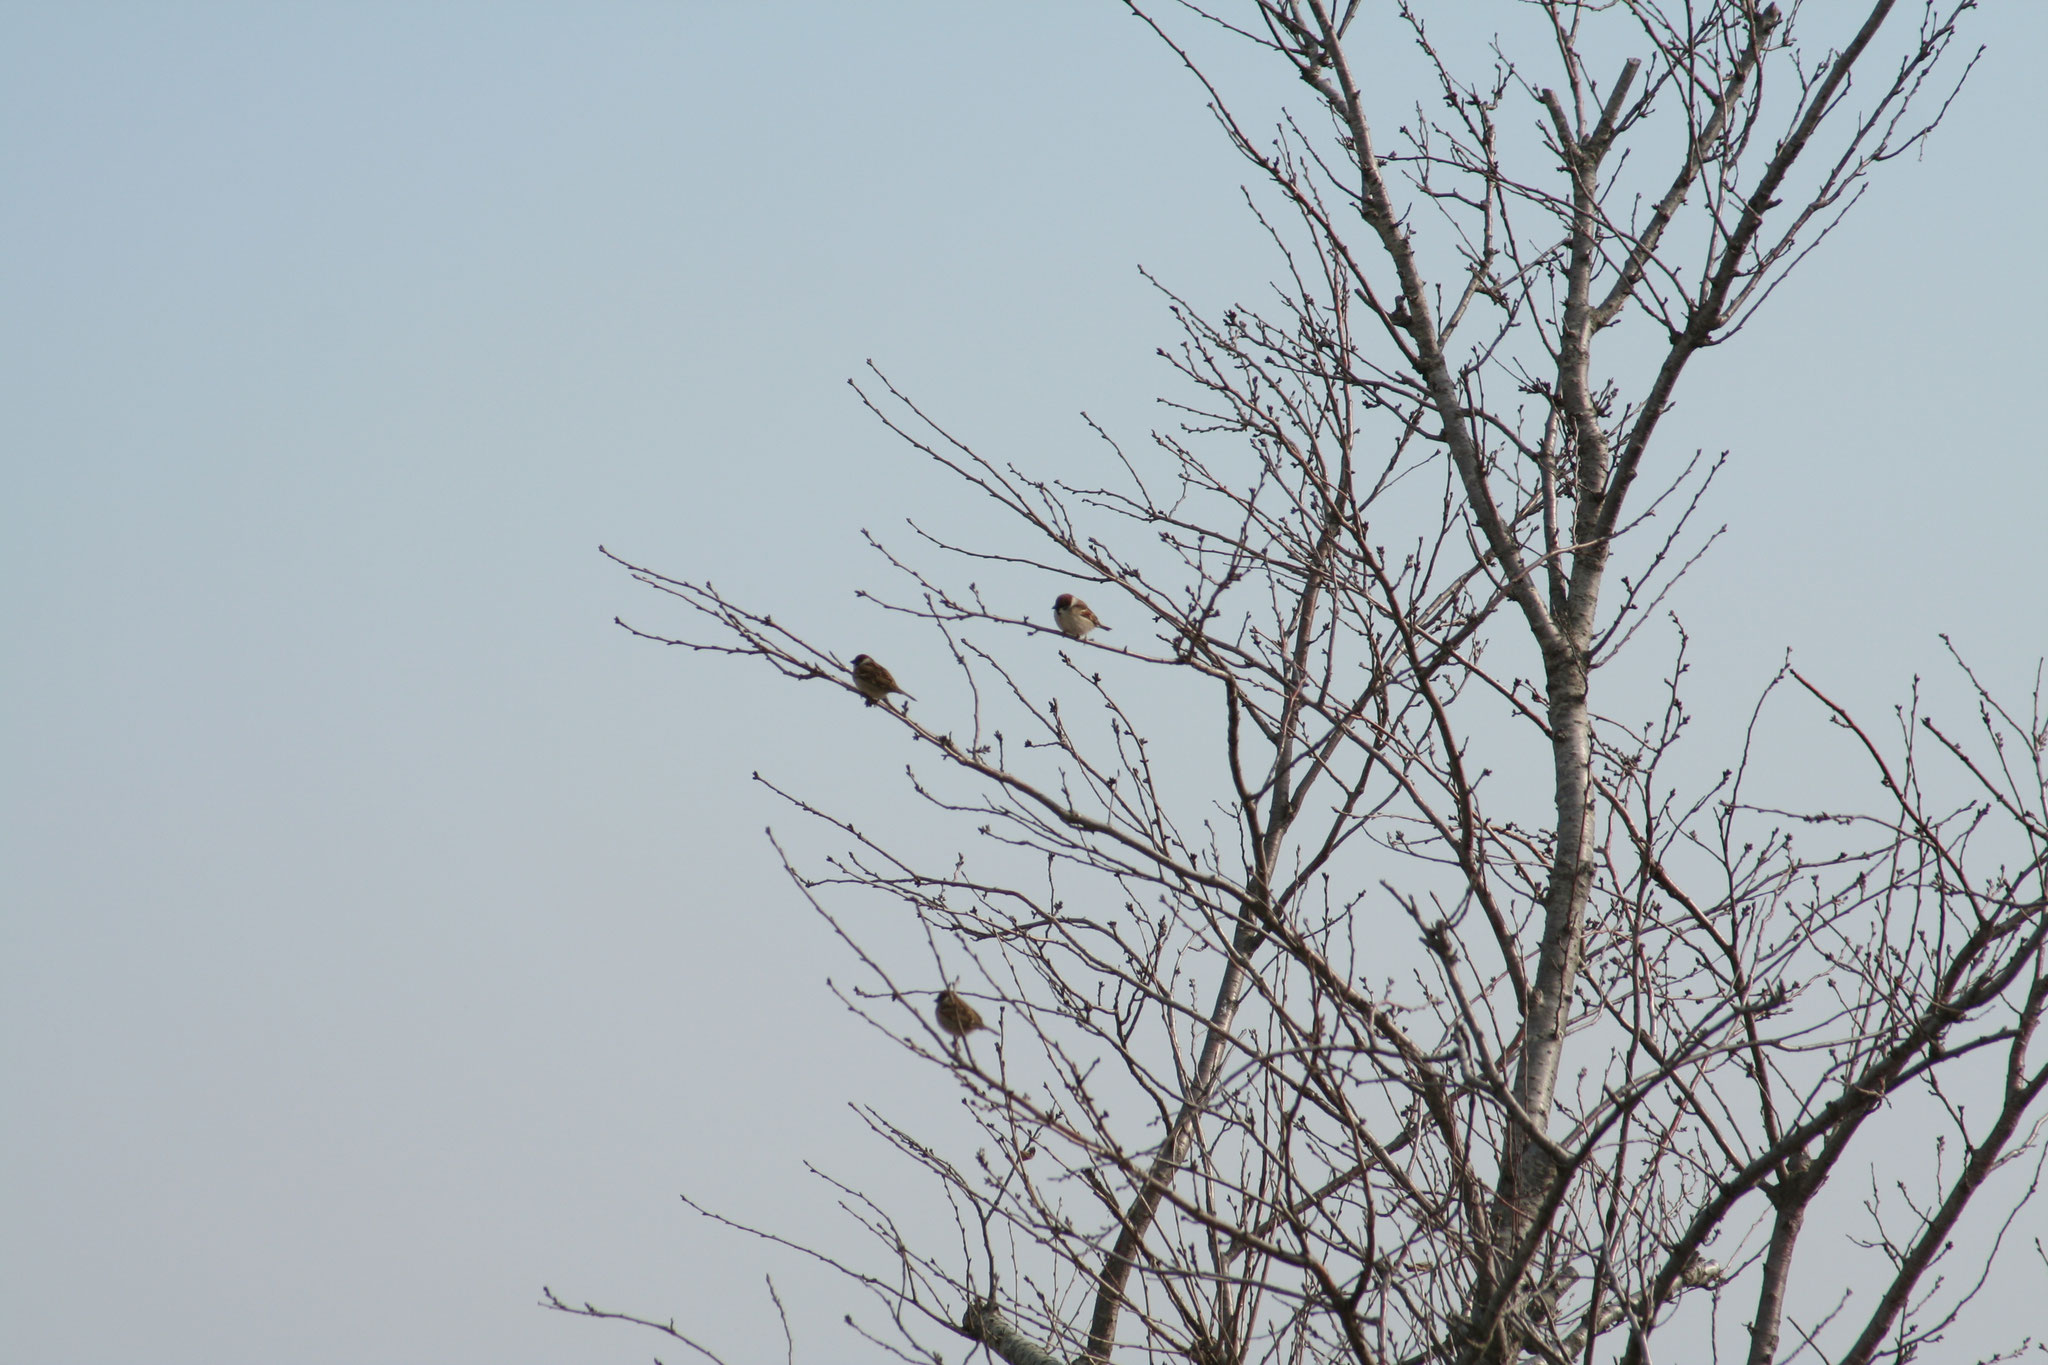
x=1430, y=1062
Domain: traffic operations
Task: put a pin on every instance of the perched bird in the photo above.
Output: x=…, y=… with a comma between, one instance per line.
x=956, y=1016
x=874, y=681
x=1074, y=616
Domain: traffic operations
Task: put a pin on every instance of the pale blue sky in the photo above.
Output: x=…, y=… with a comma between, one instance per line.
x=387, y=934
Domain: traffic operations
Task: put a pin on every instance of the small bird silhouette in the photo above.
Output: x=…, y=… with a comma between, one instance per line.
x=874, y=681
x=1074, y=616
x=956, y=1016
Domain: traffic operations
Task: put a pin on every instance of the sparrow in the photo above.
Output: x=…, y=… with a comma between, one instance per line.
x=956, y=1016
x=1074, y=616
x=873, y=681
